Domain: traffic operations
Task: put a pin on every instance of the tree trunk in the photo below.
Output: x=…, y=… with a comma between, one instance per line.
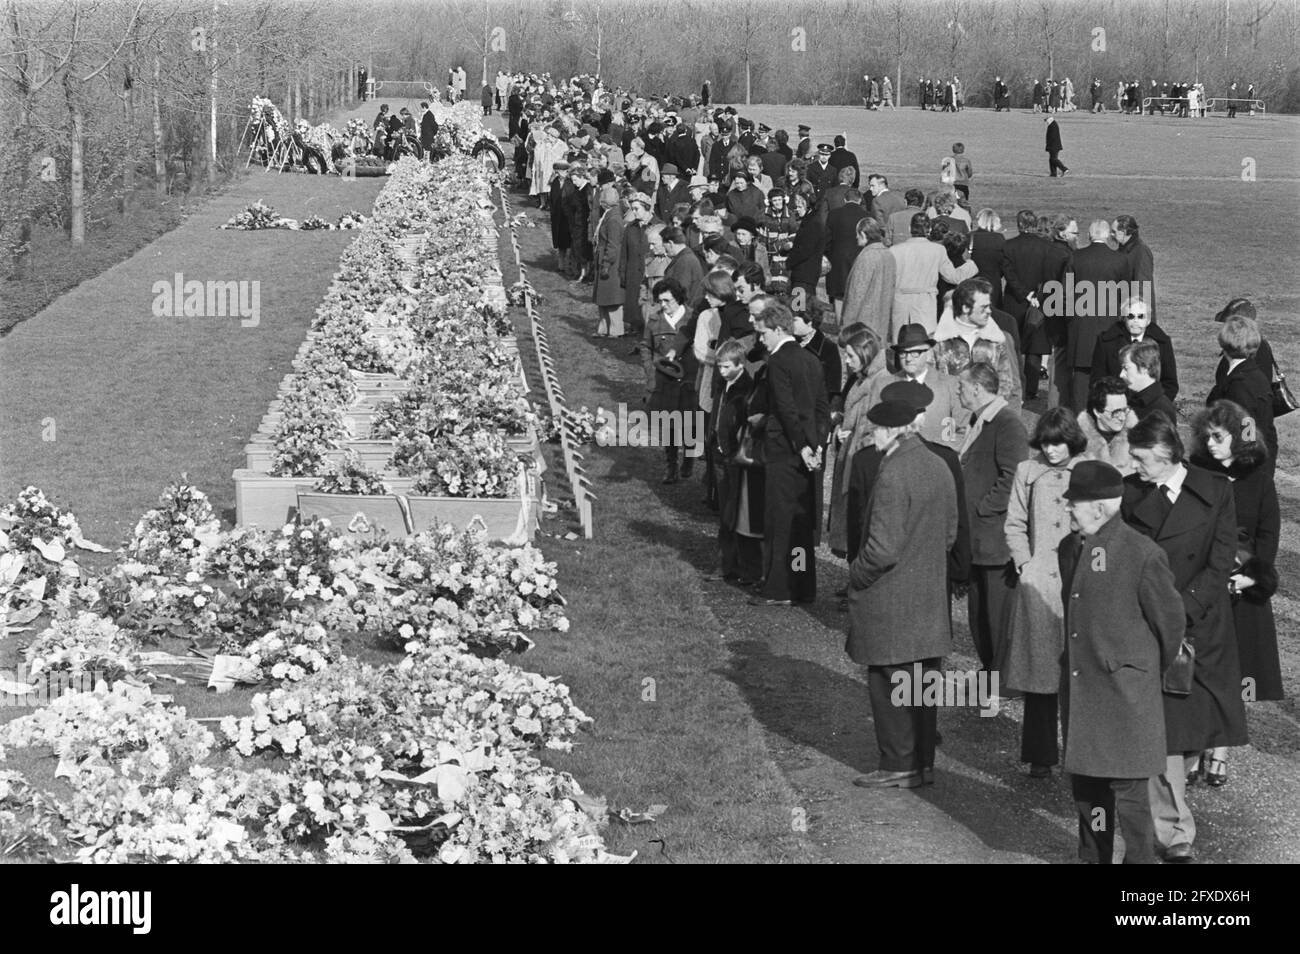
x=310, y=113
x=77, y=176
x=128, y=162
x=297, y=98
x=24, y=83
x=748, y=80
x=159, y=155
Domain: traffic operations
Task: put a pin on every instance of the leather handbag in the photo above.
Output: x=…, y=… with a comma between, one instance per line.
x=1178, y=677
x=744, y=455
x=1284, y=402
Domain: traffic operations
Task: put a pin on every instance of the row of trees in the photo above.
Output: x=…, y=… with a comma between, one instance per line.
x=100, y=99
x=816, y=51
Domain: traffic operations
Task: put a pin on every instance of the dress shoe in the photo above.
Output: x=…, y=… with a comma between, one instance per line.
x=1180, y=854
x=882, y=779
x=759, y=601
x=1040, y=771
x=1216, y=772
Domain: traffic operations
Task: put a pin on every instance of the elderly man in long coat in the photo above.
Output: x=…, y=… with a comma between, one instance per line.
x=608, y=289
x=869, y=294
x=1123, y=625
x=898, y=610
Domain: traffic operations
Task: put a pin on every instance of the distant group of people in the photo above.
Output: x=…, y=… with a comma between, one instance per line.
x=945, y=96
x=878, y=92
x=1088, y=547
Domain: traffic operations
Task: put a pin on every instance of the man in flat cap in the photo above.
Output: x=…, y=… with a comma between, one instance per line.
x=1124, y=621
x=899, y=627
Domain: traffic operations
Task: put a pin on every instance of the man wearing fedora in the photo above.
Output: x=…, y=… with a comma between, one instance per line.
x=898, y=628
x=672, y=190
x=1124, y=622
x=944, y=415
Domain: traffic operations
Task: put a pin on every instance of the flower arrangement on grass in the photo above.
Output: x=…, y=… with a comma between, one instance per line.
x=352, y=219
x=83, y=645
x=37, y=539
x=314, y=223
x=259, y=216
x=177, y=535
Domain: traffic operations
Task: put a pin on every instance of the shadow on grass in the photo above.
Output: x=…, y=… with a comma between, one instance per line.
x=813, y=707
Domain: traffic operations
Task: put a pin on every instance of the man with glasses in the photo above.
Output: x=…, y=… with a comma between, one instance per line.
x=943, y=415
x=1133, y=327
x=1106, y=423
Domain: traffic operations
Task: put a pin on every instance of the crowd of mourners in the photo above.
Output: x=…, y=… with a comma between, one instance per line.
x=1093, y=548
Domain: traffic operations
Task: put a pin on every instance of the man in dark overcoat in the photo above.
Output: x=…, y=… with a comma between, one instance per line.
x=1191, y=514
x=1123, y=622
x=993, y=448
x=1054, y=148
x=1030, y=261
x=798, y=422
x=844, y=158
x=1134, y=326
x=898, y=615
x=842, y=244
x=428, y=129
x=1095, y=268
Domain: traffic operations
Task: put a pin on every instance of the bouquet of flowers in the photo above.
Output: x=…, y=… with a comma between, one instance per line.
x=351, y=219
x=295, y=648
x=36, y=539
x=314, y=223
x=177, y=535
x=259, y=216
x=350, y=476
x=310, y=426
x=82, y=645
x=451, y=465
